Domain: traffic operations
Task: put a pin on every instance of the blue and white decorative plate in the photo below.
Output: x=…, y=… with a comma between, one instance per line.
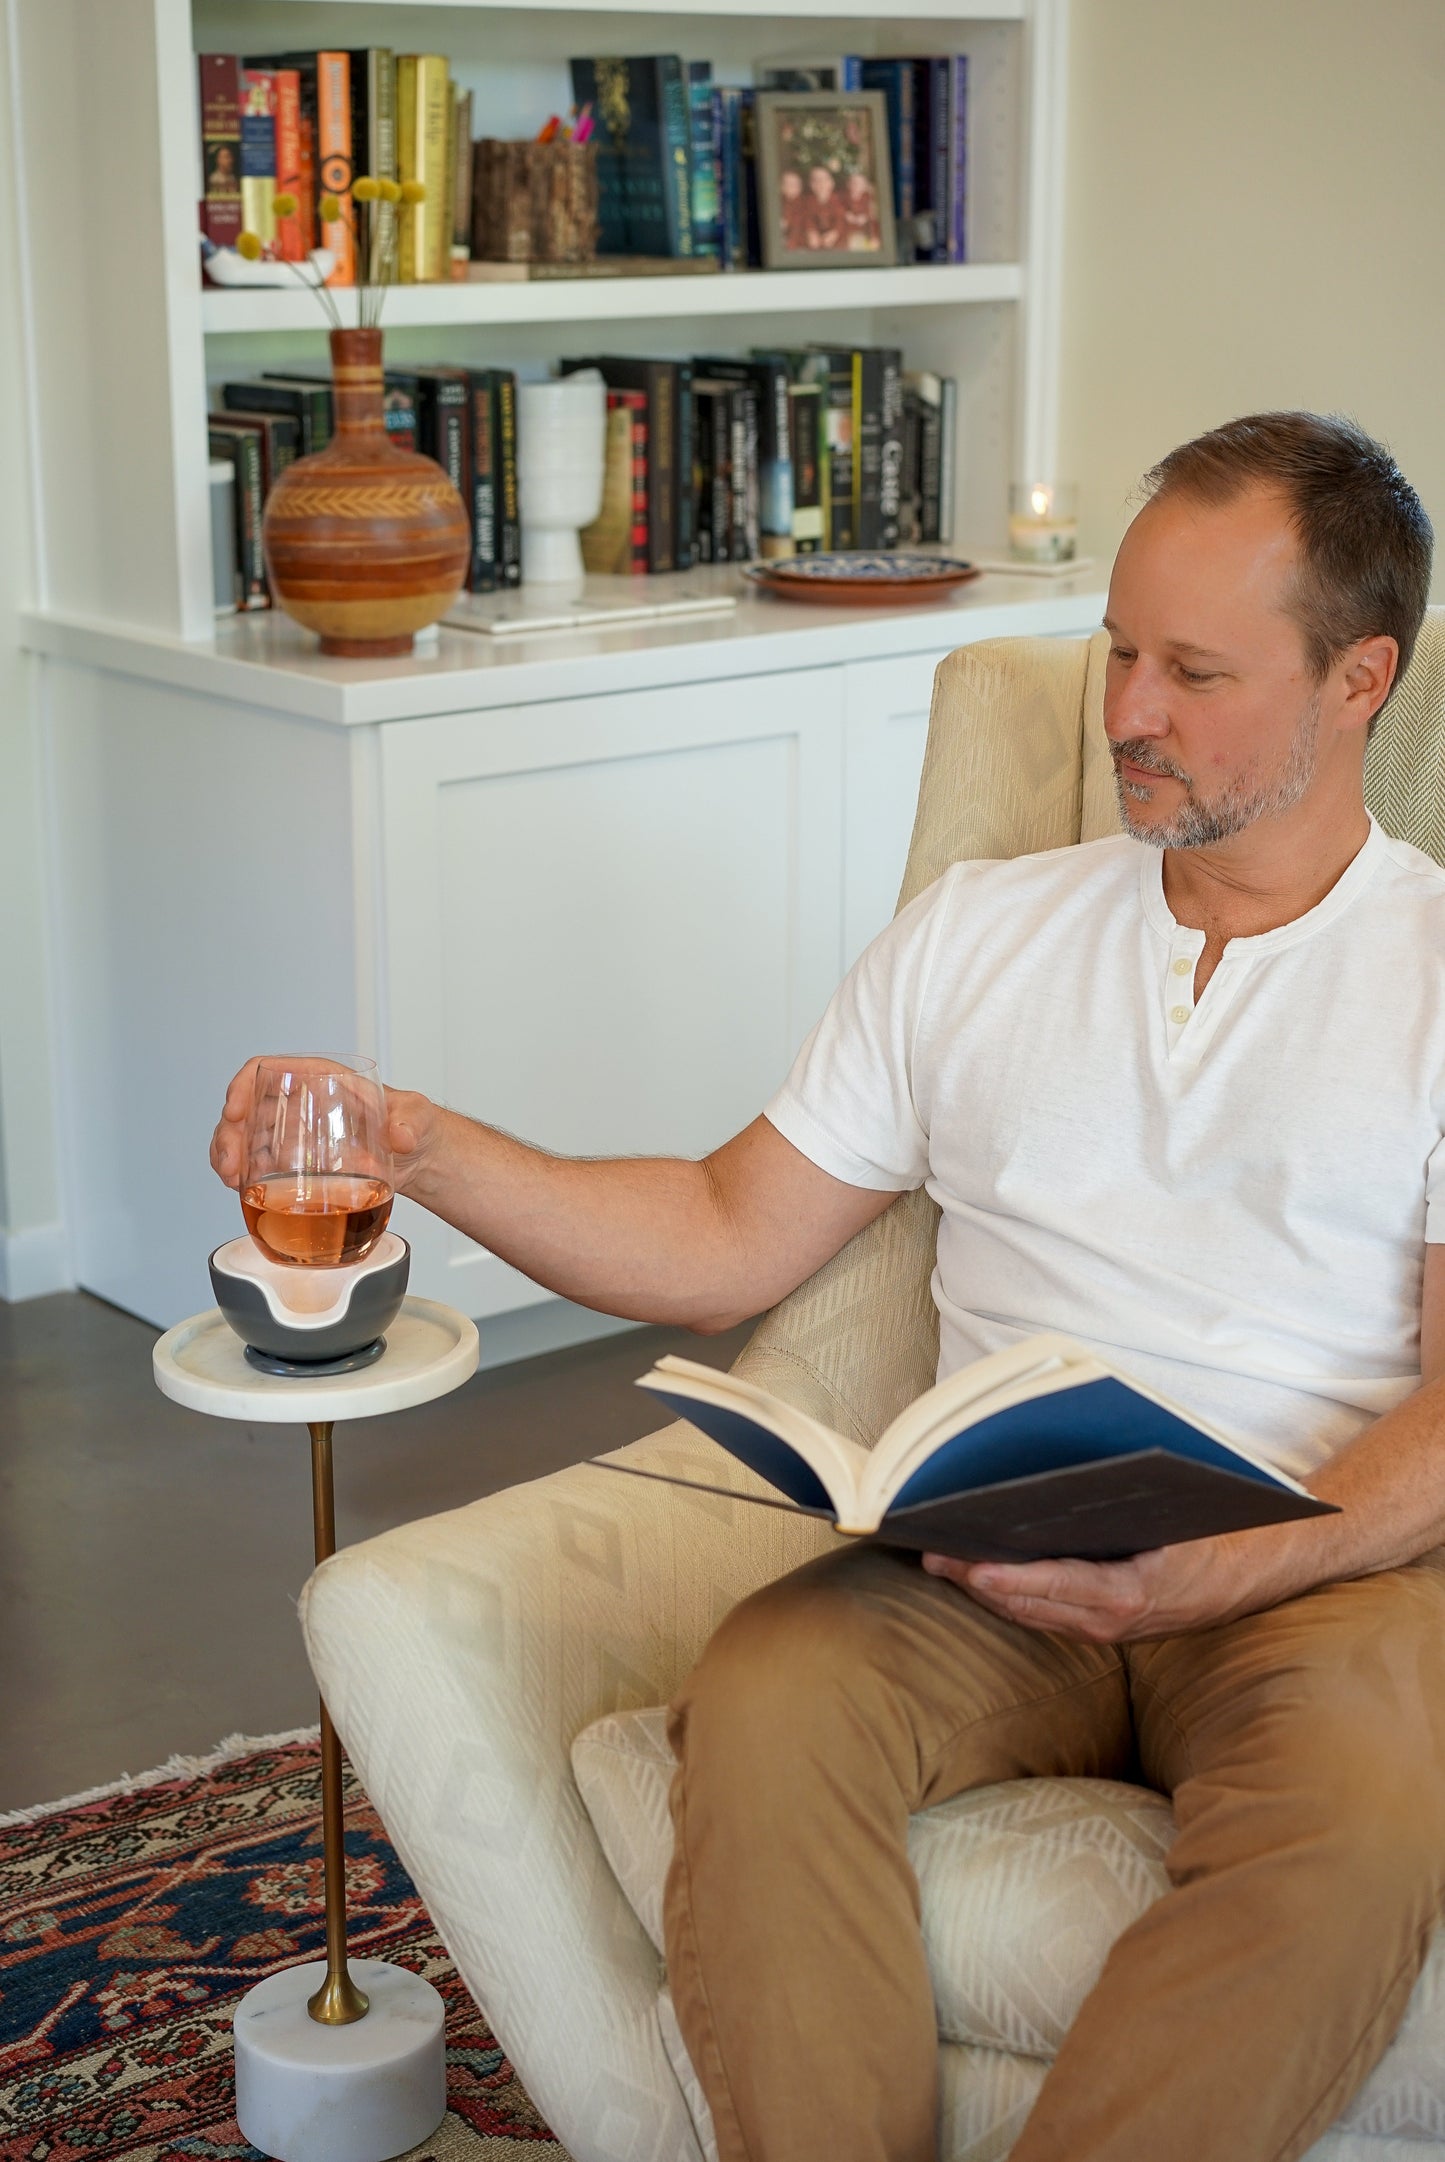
x=854, y=575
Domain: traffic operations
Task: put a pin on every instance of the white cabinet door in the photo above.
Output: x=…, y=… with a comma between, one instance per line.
x=608, y=922
x=885, y=731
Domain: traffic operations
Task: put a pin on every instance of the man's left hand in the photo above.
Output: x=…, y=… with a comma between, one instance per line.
x=1166, y=1592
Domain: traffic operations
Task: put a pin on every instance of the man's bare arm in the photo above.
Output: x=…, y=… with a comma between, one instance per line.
x=1389, y=1486
x=702, y=1245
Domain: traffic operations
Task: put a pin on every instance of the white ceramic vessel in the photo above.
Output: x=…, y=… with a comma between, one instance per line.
x=561, y=429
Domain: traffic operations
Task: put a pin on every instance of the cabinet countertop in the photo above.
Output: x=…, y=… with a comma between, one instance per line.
x=265, y=660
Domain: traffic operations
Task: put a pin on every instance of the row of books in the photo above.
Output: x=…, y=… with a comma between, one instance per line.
x=681, y=178
x=677, y=157
x=465, y=418
x=723, y=460
x=304, y=125
x=713, y=460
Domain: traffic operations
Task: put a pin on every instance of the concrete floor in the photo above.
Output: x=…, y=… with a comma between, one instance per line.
x=150, y=1557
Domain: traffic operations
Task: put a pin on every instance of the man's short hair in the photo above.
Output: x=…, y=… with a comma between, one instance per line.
x=1365, y=543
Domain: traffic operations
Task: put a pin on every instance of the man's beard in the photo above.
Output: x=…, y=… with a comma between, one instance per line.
x=1197, y=824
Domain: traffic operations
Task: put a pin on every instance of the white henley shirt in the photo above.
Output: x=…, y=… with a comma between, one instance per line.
x=1229, y=1200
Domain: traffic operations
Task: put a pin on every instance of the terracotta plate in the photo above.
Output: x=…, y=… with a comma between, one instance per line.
x=853, y=576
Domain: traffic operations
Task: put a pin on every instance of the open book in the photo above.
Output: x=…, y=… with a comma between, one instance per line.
x=1037, y=1451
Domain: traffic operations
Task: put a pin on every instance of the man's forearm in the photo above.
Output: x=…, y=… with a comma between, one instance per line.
x=643, y=1237
x=1389, y=1486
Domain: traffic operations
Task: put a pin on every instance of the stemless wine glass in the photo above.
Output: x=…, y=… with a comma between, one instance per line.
x=316, y=1188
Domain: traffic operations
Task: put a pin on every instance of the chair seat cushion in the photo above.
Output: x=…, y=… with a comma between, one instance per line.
x=1024, y=1888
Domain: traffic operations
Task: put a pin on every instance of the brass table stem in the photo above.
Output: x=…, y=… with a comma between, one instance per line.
x=338, y=2001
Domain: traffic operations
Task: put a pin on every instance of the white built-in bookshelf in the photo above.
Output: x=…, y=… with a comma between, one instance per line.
x=126, y=341
x=593, y=885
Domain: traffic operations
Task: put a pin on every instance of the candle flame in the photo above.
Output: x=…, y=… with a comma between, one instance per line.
x=1041, y=501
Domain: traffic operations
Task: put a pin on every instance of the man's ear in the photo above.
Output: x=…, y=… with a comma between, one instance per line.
x=1369, y=672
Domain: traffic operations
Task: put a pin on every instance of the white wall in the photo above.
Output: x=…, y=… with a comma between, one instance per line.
x=32, y=1246
x=1255, y=201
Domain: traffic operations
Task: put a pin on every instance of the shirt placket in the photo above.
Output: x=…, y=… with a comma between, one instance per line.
x=1185, y=947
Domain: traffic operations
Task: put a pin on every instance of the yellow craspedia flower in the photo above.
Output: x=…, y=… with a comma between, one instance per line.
x=366, y=190
x=249, y=245
x=413, y=191
x=330, y=209
x=285, y=206
x=390, y=191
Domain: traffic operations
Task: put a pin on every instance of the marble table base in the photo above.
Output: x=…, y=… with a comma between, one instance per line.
x=357, y=2093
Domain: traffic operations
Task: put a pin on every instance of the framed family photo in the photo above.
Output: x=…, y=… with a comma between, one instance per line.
x=825, y=190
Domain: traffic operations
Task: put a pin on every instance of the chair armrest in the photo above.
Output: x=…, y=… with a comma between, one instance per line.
x=459, y=1657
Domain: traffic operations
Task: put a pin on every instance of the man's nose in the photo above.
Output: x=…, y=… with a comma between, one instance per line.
x=1135, y=705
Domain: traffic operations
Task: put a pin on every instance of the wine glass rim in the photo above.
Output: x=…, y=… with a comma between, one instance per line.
x=354, y=1062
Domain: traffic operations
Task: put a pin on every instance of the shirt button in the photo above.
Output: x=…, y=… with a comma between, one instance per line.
x=1182, y=967
x=1179, y=1014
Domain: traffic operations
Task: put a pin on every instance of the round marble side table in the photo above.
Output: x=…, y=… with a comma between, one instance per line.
x=335, y=2061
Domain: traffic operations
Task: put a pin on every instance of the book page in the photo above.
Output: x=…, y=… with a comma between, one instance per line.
x=837, y=1464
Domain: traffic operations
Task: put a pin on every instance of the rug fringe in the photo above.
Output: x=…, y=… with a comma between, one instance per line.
x=176, y=1767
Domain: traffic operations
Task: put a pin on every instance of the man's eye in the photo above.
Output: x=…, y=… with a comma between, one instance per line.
x=1120, y=653
x=1195, y=675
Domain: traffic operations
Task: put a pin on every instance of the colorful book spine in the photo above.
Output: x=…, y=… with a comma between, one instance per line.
x=768, y=373
x=890, y=476
x=334, y=158
x=839, y=440
x=423, y=113
x=644, y=152
x=727, y=124
x=400, y=403
x=258, y=154
x=706, y=200
x=289, y=241
x=381, y=152
x=677, y=152
x=220, y=79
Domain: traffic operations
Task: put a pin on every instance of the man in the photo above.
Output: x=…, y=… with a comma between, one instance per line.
x=1185, y=1101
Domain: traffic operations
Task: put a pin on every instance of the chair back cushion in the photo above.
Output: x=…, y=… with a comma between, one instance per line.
x=1003, y=774
x=1405, y=764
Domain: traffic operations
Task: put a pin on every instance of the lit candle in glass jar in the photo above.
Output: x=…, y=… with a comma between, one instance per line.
x=1042, y=523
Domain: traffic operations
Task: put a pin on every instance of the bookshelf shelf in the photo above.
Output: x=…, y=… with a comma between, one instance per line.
x=594, y=300
x=800, y=12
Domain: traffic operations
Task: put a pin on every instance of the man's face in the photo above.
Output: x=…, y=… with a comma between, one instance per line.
x=820, y=180
x=1213, y=717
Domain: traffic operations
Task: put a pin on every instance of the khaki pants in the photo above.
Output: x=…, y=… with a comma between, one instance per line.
x=1304, y=1749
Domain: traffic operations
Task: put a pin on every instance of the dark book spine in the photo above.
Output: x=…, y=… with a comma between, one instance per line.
x=310, y=402
x=737, y=473
x=722, y=476
x=242, y=448
x=682, y=466
x=803, y=422
x=890, y=476
x=728, y=113
x=484, y=484
x=839, y=445
x=662, y=451
x=868, y=449
x=676, y=118
x=911, y=504
x=930, y=464
x=442, y=428
x=612, y=233
x=702, y=535
x=637, y=519
x=958, y=160
x=940, y=106
x=509, y=530
x=748, y=165
x=220, y=77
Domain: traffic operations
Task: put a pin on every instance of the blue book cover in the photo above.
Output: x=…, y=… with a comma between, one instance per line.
x=895, y=79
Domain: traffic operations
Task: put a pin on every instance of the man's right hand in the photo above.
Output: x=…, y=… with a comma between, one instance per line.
x=414, y=1125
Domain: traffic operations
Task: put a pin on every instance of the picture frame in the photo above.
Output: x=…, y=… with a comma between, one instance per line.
x=825, y=184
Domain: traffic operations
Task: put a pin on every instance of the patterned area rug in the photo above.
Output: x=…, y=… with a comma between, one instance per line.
x=130, y=1925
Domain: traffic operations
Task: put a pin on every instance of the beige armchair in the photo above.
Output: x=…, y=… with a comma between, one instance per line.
x=463, y=1657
